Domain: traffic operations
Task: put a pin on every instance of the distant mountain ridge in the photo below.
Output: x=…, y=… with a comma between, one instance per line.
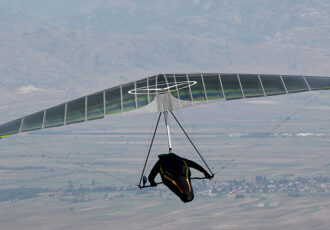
x=106, y=43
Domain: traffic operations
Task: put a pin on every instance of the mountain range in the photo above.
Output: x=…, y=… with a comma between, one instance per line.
x=68, y=49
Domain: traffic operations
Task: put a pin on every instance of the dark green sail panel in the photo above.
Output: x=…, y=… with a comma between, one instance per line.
x=152, y=86
x=55, y=116
x=231, y=86
x=197, y=87
x=113, y=101
x=10, y=127
x=172, y=85
x=272, y=84
x=295, y=84
x=76, y=111
x=95, y=106
x=142, y=93
x=128, y=98
x=184, y=89
x=318, y=82
x=33, y=122
x=213, y=87
x=161, y=82
x=251, y=85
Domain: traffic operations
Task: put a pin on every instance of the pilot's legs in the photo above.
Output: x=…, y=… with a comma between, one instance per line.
x=182, y=189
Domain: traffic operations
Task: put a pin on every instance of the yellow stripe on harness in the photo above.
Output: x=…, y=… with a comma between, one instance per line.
x=4, y=136
x=187, y=174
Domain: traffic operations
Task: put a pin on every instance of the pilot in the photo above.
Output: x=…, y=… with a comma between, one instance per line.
x=175, y=174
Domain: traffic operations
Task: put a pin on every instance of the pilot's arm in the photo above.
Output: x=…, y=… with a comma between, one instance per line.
x=153, y=174
x=196, y=166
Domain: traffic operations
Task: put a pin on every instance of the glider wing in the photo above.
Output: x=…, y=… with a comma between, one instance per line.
x=164, y=92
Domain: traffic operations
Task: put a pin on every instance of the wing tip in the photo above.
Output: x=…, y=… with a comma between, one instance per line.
x=1, y=137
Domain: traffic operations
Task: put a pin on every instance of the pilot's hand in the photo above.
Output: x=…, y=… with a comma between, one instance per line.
x=153, y=184
x=208, y=176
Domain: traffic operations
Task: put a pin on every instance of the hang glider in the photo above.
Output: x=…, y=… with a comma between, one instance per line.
x=163, y=93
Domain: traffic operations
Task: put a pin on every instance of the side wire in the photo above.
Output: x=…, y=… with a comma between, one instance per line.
x=270, y=132
x=150, y=133
x=200, y=155
x=150, y=146
x=194, y=153
x=156, y=153
x=55, y=156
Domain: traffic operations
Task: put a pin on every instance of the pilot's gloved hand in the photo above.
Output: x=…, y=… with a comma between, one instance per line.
x=153, y=184
x=208, y=176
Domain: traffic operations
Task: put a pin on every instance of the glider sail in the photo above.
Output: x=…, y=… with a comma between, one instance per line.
x=164, y=92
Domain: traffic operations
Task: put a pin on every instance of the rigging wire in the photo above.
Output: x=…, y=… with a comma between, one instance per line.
x=196, y=150
x=55, y=156
x=192, y=144
x=189, y=133
x=151, y=130
x=182, y=144
x=150, y=146
x=156, y=153
x=278, y=125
